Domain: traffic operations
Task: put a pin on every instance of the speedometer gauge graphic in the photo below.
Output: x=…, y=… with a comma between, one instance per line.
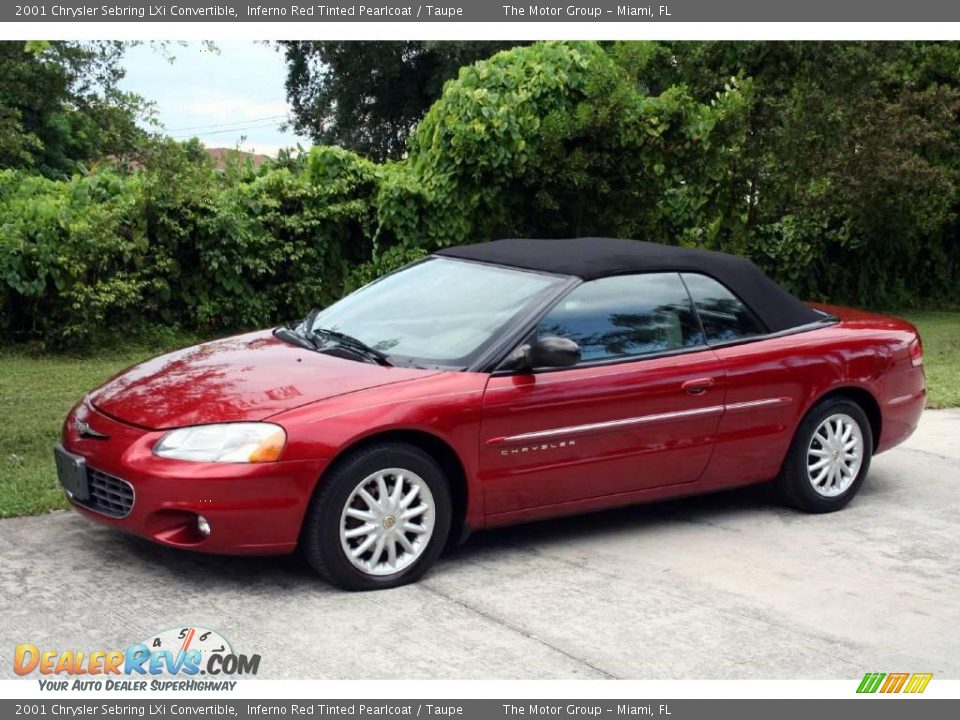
x=183, y=639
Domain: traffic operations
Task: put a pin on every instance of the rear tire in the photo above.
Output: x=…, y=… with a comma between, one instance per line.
x=379, y=518
x=828, y=458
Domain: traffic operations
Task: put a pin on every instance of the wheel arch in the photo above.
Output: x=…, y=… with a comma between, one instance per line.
x=862, y=397
x=437, y=448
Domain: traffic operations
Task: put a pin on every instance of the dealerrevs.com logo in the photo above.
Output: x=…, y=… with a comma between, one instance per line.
x=169, y=660
x=894, y=682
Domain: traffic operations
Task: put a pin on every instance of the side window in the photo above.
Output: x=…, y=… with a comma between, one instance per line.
x=624, y=316
x=723, y=314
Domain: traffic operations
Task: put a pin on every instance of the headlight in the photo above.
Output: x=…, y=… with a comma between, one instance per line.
x=227, y=442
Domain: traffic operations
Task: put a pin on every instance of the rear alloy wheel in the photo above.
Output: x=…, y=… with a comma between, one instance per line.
x=379, y=518
x=834, y=455
x=829, y=457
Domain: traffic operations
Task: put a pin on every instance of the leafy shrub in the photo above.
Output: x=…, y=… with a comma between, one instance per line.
x=559, y=139
x=180, y=245
x=71, y=254
x=283, y=241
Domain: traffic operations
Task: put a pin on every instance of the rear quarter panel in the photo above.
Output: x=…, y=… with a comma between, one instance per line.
x=901, y=388
x=863, y=350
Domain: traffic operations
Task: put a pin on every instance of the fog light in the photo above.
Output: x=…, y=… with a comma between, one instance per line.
x=203, y=526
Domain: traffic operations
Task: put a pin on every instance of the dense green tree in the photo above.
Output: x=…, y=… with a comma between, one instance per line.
x=559, y=140
x=851, y=158
x=60, y=107
x=367, y=96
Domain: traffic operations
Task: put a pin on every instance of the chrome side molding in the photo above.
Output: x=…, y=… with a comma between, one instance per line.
x=541, y=435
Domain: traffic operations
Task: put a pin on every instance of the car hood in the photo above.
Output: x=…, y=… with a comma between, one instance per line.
x=247, y=377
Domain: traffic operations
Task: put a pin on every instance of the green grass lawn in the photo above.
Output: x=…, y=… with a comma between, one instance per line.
x=940, y=332
x=37, y=392
x=35, y=395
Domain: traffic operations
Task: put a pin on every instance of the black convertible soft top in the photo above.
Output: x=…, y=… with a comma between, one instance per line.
x=591, y=258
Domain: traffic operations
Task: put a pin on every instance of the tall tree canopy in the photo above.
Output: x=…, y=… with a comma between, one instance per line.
x=60, y=107
x=850, y=157
x=367, y=96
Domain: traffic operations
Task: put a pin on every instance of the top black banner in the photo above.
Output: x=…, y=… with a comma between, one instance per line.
x=481, y=11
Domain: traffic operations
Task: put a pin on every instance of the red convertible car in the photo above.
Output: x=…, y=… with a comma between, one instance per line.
x=492, y=384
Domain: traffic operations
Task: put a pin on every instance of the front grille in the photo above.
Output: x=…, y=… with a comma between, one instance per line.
x=108, y=494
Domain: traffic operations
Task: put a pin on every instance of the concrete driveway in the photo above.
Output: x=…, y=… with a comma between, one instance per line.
x=726, y=586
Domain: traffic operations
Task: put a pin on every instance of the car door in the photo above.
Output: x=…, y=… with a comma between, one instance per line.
x=639, y=411
x=765, y=378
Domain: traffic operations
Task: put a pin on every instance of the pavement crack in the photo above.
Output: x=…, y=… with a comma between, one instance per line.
x=708, y=523
x=951, y=460
x=520, y=631
x=731, y=613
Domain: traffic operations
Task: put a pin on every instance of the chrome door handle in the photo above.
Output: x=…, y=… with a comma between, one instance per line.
x=698, y=386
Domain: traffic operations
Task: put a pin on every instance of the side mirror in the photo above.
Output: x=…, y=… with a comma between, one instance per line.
x=546, y=352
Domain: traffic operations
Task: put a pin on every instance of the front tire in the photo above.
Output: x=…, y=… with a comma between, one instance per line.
x=379, y=518
x=829, y=457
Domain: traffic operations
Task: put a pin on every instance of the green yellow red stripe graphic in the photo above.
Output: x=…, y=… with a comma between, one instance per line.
x=894, y=682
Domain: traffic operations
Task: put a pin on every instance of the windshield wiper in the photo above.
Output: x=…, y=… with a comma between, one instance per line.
x=351, y=343
x=305, y=335
x=294, y=338
x=308, y=322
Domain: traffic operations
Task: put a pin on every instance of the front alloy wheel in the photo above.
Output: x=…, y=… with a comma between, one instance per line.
x=387, y=521
x=379, y=518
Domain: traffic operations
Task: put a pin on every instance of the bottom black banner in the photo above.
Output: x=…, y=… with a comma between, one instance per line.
x=874, y=708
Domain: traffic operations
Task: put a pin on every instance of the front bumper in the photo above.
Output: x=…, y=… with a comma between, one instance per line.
x=255, y=508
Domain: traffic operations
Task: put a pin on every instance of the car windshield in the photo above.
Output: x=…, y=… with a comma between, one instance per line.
x=439, y=312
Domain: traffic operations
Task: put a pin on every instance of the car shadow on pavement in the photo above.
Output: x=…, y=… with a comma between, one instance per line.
x=246, y=571
x=709, y=509
x=291, y=572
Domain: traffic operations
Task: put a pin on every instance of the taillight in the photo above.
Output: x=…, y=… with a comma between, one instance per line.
x=916, y=352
